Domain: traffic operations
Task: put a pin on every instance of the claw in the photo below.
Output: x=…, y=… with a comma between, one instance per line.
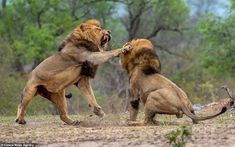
x=127, y=47
x=99, y=112
x=21, y=121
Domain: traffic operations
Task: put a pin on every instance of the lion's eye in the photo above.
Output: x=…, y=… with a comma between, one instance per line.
x=99, y=29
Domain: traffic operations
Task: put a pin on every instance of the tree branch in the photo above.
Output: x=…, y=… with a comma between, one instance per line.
x=163, y=28
x=170, y=52
x=39, y=14
x=135, y=20
x=4, y=3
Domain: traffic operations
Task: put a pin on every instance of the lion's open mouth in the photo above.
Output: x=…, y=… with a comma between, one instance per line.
x=104, y=40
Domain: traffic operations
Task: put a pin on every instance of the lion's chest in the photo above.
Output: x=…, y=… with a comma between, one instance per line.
x=88, y=69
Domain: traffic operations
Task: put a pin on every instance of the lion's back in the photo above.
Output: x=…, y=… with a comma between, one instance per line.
x=52, y=66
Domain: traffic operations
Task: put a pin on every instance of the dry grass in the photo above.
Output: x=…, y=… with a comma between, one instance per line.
x=112, y=130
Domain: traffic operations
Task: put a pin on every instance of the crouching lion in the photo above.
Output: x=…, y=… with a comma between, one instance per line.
x=158, y=94
x=76, y=62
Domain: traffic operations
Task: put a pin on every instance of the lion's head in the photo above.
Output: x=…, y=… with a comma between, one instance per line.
x=142, y=55
x=89, y=32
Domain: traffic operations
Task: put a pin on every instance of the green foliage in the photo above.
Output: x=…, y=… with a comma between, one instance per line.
x=147, y=18
x=213, y=58
x=30, y=31
x=177, y=138
x=10, y=89
x=119, y=34
x=233, y=3
x=219, y=45
x=6, y=57
x=32, y=27
x=177, y=8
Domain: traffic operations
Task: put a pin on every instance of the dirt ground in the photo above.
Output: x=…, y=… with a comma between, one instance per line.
x=113, y=130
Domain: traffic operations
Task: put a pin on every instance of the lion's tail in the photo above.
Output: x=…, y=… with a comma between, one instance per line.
x=225, y=108
x=197, y=118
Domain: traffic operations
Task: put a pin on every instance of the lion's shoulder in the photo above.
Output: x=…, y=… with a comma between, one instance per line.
x=90, y=46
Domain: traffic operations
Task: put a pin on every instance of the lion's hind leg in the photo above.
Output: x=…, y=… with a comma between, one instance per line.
x=149, y=116
x=151, y=108
x=28, y=92
x=61, y=103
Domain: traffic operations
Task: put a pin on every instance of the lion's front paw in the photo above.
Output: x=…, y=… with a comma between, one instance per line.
x=98, y=111
x=127, y=47
x=151, y=122
x=21, y=121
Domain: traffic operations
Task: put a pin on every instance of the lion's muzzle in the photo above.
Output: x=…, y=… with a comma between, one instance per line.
x=105, y=39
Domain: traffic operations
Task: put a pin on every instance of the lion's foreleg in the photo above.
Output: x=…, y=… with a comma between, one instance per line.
x=98, y=58
x=60, y=101
x=86, y=91
x=134, y=104
x=134, y=109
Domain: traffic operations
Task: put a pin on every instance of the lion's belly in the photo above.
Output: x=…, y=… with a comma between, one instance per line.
x=62, y=79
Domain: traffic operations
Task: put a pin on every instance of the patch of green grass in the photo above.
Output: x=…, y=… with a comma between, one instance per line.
x=178, y=138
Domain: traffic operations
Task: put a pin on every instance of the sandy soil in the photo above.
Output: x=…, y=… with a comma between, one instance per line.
x=113, y=131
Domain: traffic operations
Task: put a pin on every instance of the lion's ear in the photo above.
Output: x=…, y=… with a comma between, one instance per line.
x=82, y=27
x=61, y=46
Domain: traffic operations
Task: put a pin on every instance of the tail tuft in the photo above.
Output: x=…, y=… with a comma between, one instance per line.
x=224, y=109
x=232, y=103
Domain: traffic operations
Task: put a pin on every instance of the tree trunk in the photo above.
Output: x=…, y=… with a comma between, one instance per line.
x=4, y=2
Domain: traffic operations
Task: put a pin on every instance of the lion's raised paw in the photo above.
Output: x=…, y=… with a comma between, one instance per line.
x=127, y=47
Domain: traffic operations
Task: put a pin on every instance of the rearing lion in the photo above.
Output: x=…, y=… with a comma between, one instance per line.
x=146, y=84
x=76, y=62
